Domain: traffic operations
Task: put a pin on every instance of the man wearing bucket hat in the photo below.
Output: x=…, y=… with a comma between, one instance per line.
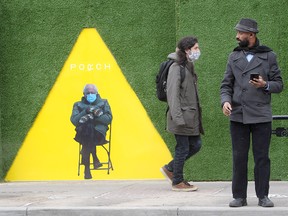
x=252, y=75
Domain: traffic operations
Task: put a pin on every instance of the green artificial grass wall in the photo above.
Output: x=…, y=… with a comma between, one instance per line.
x=36, y=38
x=213, y=23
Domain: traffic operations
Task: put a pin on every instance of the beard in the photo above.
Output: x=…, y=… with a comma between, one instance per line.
x=244, y=43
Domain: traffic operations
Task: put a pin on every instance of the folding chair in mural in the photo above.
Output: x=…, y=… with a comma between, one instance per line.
x=106, y=163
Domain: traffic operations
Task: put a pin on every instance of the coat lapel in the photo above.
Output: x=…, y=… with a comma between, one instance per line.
x=245, y=66
x=240, y=61
x=255, y=62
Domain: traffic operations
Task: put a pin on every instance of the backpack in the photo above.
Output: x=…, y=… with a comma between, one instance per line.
x=161, y=79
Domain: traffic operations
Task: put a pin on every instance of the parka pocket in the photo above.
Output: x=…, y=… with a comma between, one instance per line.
x=190, y=116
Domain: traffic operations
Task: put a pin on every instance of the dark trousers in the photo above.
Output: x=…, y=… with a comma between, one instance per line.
x=86, y=151
x=186, y=147
x=261, y=136
x=90, y=148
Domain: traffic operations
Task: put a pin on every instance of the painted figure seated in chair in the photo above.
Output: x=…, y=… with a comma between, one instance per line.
x=91, y=116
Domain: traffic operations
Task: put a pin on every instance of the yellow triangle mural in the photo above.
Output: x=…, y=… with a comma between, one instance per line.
x=49, y=151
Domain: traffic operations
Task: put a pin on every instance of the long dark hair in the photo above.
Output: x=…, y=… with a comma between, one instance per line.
x=183, y=44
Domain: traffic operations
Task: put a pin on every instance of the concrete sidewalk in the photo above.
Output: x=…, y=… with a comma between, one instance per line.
x=135, y=198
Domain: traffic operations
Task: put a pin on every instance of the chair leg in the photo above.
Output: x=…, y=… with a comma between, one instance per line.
x=79, y=158
x=109, y=162
x=110, y=166
x=109, y=151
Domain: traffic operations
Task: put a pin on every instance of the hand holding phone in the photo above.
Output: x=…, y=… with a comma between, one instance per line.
x=254, y=76
x=259, y=83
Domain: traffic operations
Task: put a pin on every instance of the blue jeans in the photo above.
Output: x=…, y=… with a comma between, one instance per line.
x=261, y=135
x=186, y=147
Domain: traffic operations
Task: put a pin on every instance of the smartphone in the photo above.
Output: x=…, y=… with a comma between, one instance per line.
x=254, y=75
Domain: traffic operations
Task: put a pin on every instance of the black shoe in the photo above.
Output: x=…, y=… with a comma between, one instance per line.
x=97, y=164
x=238, y=202
x=265, y=202
x=87, y=174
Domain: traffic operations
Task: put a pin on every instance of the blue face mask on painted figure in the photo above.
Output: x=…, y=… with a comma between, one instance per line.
x=91, y=97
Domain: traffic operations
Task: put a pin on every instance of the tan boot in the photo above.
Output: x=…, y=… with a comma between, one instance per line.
x=184, y=186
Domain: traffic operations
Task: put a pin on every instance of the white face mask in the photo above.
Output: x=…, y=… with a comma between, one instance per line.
x=194, y=55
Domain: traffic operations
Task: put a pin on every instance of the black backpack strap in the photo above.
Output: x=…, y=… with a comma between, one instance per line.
x=182, y=73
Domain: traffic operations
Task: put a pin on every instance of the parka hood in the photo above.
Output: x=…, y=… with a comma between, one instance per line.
x=172, y=56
